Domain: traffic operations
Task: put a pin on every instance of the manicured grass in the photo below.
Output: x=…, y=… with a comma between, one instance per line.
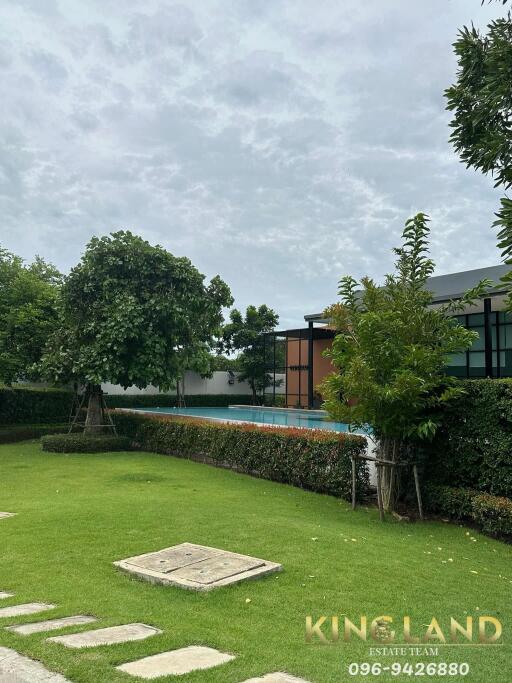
x=79, y=513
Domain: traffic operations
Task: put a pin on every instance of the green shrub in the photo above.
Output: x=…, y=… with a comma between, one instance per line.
x=19, y=405
x=473, y=449
x=493, y=514
x=26, y=405
x=13, y=433
x=312, y=459
x=170, y=400
x=447, y=500
x=84, y=443
x=278, y=402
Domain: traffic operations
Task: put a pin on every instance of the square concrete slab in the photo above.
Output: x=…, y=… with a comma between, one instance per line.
x=107, y=636
x=196, y=567
x=4, y=595
x=176, y=662
x=276, y=678
x=4, y=515
x=21, y=610
x=15, y=668
x=51, y=624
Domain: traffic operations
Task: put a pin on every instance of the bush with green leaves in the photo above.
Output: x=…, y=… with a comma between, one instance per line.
x=493, y=514
x=390, y=353
x=84, y=443
x=318, y=460
x=171, y=401
x=13, y=433
x=473, y=447
x=20, y=405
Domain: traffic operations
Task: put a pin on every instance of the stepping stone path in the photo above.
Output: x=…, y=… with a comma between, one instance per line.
x=50, y=625
x=276, y=678
x=176, y=662
x=22, y=610
x=107, y=636
x=196, y=567
x=4, y=515
x=186, y=565
x=15, y=668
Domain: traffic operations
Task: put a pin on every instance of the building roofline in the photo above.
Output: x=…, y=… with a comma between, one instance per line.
x=450, y=286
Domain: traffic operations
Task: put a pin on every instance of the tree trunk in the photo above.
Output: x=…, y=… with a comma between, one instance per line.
x=254, y=395
x=390, y=449
x=94, y=418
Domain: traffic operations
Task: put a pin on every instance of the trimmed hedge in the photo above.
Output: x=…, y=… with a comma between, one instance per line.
x=13, y=433
x=19, y=405
x=311, y=459
x=84, y=443
x=493, y=514
x=473, y=449
x=170, y=400
x=26, y=405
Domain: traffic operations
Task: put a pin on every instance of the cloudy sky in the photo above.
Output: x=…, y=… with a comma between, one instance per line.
x=279, y=143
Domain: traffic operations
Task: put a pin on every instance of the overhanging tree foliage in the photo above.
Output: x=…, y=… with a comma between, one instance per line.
x=390, y=352
x=27, y=314
x=481, y=102
x=245, y=334
x=132, y=314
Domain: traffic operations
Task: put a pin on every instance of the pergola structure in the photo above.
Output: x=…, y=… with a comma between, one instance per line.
x=296, y=353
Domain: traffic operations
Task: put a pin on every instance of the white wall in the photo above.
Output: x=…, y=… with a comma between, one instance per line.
x=195, y=384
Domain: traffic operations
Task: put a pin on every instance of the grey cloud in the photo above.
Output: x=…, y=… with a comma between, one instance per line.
x=277, y=146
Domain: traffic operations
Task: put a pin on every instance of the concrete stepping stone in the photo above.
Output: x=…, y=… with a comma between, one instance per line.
x=196, y=567
x=107, y=636
x=4, y=515
x=51, y=624
x=22, y=610
x=277, y=677
x=176, y=662
x=16, y=668
x=4, y=595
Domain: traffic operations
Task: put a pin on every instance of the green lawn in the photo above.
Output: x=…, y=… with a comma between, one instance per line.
x=79, y=513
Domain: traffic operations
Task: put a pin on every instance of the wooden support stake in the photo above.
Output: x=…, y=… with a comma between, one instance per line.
x=379, y=492
x=353, y=483
x=418, y=492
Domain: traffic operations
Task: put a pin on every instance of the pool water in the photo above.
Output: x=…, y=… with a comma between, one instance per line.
x=315, y=419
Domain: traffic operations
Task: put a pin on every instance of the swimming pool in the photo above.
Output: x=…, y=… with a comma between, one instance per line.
x=311, y=419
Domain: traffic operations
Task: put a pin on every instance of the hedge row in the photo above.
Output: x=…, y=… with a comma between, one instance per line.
x=473, y=449
x=493, y=514
x=13, y=433
x=170, y=400
x=84, y=443
x=310, y=459
x=19, y=405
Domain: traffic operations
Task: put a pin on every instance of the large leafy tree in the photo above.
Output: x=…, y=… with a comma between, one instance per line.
x=481, y=102
x=27, y=314
x=390, y=352
x=132, y=314
x=244, y=333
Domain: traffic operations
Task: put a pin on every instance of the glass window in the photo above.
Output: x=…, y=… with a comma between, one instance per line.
x=506, y=337
x=456, y=360
x=479, y=343
x=475, y=319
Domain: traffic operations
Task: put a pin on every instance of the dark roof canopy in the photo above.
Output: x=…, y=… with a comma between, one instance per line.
x=303, y=333
x=453, y=285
